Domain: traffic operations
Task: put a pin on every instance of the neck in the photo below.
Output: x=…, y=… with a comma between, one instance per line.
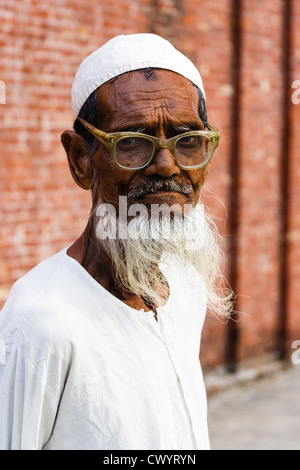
x=96, y=262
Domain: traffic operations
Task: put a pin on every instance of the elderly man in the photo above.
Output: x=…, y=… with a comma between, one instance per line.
x=102, y=340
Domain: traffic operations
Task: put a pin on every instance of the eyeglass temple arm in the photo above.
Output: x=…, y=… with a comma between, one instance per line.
x=104, y=137
x=216, y=132
x=213, y=129
x=93, y=130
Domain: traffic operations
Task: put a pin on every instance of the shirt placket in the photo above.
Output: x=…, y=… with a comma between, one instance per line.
x=164, y=331
x=169, y=338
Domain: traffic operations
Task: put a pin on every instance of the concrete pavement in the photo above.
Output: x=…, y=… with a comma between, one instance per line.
x=261, y=414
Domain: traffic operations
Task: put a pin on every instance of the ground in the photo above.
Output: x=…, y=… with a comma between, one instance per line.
x=262, y=414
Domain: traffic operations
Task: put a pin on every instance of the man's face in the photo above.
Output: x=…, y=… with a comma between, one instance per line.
x=163, y=106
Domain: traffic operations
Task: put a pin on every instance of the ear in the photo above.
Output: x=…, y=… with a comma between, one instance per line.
x=78, y=150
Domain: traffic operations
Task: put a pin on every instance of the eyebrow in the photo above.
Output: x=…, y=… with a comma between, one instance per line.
x=133, y=128
x=184, y=128
x=139, y=129
x=180, y=128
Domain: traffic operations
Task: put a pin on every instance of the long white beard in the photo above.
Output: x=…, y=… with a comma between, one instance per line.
x=136, y=248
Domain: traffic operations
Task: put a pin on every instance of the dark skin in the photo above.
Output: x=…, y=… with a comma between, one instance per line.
x=158, y=105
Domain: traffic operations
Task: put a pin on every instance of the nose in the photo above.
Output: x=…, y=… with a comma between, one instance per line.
x=163, y=164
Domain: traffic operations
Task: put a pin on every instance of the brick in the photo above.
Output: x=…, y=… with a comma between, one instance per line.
x=42, y=44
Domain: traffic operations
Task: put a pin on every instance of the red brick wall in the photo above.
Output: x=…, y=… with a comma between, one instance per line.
x=293, y=297
x=260, y=156
x=42, y=210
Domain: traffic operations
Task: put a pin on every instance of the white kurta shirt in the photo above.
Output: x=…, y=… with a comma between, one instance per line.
x=79, y=369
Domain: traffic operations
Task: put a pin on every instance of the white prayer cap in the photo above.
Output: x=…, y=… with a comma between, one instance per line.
x=126, y=53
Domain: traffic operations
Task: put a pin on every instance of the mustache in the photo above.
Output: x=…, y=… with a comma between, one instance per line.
x=159, y=185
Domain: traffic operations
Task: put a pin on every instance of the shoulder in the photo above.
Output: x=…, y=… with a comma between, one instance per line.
x=32, y=312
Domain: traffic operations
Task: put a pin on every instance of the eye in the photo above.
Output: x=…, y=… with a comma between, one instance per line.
x=128, y=142
x=187, y=140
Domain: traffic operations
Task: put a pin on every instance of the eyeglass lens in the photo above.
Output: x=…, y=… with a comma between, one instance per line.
x=135, y=152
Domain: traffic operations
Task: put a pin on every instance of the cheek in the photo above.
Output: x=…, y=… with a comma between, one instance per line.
x=110, y=180
x=197, y=178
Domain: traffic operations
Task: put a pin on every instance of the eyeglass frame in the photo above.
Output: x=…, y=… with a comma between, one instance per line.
x=111, y=139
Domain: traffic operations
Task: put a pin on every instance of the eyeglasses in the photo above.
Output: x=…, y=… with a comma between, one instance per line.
x=134, y=151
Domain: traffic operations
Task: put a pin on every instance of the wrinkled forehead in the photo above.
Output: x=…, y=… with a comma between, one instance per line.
x=136, y=100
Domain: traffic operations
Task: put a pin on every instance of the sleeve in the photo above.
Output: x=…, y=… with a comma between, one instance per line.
x=30, y=392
